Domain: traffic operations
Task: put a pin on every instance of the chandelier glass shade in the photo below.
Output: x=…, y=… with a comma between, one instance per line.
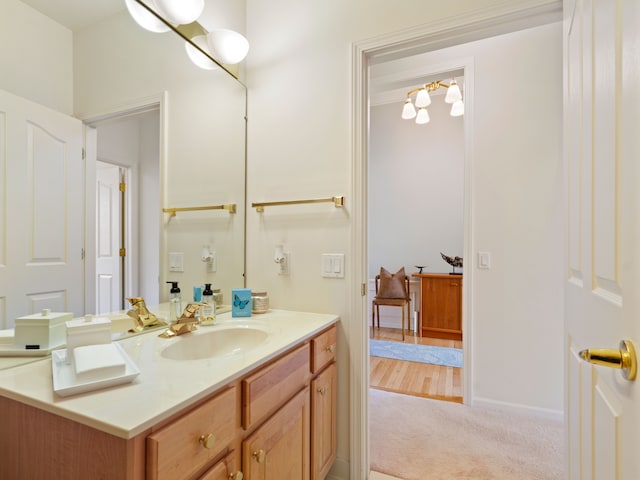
x=418, y=109
x=224, y=46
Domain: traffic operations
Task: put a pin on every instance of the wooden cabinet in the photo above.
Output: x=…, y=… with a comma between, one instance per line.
x=276, y=422
x=440, y=305
x=279, y=449
x=182, y=448
x=323, y=410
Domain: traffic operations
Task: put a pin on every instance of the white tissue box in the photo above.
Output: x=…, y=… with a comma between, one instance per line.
x=88, y=331
x=96, y=362
x=41, y=331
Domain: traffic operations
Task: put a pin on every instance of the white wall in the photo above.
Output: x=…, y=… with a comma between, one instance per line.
x=299, y=146
x=516, y=213
x=36, y=57
x=416, y=188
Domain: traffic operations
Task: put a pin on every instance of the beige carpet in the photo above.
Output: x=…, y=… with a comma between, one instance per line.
x=417, y=438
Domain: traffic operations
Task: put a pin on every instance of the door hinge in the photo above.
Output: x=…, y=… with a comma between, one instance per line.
x=363, y=289
x=123, y=187
x=84, y=153
x=123, y=252
x=82, y=254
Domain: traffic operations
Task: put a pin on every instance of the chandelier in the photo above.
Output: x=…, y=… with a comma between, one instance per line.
x=423, y=100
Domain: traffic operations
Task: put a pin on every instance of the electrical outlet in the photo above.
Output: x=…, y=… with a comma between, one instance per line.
x=212, y=265
x=283, y=267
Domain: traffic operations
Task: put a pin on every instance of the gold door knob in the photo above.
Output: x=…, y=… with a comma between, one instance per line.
x=331, y=348
x=207, y=440
x=259, y=455
x=323, y=391
x=625, y=358
x=236, y=476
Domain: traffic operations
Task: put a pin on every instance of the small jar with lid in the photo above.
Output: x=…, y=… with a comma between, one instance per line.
x=217, y=297
x=259, y=302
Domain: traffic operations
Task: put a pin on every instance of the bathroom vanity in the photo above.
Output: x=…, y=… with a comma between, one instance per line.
x=263, y=409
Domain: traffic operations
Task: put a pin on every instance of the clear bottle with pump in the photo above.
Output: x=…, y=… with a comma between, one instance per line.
x=209, y=309
x=175, y=302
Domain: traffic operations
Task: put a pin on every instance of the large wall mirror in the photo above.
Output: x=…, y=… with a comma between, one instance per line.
x=176, y=132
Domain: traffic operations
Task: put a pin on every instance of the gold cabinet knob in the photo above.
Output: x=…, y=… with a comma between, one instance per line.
x=625, y=358
x=331, y=348
x=323, y=391
x=207, y=440
x=236, y=476
x=259, y=455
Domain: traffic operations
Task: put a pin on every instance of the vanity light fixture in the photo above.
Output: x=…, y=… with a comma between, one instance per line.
x=205, y=49
x=423, y=100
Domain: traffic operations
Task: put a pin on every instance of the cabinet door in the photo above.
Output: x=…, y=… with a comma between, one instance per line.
x=279, y=449
x=442, y=307
x=323, y=427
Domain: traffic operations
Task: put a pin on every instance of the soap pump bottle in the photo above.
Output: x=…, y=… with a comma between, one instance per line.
x=209, y=309
x=175, y=302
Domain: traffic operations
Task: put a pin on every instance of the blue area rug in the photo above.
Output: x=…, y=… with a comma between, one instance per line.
x=449, y=357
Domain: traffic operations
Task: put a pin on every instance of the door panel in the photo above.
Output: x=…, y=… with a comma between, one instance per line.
x=41, y=224
x=602, y=100
x=108, y=269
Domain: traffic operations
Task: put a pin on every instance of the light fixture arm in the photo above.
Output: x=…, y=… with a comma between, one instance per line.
x=431, y=87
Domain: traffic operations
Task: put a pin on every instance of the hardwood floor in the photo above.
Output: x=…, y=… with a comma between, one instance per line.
x=413, y=378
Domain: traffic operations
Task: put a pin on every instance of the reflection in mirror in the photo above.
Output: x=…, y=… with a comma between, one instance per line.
x=148, y=102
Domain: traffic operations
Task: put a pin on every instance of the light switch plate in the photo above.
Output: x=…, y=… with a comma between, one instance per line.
x=332, y=265
x=484, y=260
x=176, y=262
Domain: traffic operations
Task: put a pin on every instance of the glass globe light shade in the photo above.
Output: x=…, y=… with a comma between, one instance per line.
x=457, y=109
x=423, y=99
x=227, y=46
x=453, y=93
x=145, y=18
x=180, y=12
x=196, y=56
x=408, y=111
x=422, y=117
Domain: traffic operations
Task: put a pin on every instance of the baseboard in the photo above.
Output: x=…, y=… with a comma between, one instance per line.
x=339, y=470
x=546, y=413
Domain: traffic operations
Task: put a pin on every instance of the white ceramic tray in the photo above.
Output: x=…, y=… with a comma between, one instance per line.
x=65, y=382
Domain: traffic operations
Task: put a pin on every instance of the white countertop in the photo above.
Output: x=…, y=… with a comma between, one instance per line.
x=164, y=386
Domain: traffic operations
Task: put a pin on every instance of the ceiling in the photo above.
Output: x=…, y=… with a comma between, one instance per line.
x=77, y=14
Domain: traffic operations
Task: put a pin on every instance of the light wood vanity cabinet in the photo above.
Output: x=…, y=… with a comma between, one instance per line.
x=182, y=448
x=277, y=422
x=279, y=448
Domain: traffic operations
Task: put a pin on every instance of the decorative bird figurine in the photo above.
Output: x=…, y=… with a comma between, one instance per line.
x=455, y=262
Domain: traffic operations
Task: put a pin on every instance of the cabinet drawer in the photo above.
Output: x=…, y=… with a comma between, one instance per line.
x=178, y=450
x=266, y=390
x=323, y=349
x=225, y=469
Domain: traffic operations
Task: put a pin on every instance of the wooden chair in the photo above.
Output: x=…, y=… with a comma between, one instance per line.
x=392, y=302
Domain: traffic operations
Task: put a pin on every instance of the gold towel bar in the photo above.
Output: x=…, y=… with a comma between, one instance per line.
x=231, y=208
x=337, y=202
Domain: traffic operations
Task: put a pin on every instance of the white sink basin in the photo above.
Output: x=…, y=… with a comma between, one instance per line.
x=220, y=341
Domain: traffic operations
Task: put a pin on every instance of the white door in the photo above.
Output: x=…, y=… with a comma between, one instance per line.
x=41, y=224
x=602, y=293
x=108, y=233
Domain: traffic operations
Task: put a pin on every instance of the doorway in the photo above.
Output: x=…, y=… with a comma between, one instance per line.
x=127, y=208
x=416, y=204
